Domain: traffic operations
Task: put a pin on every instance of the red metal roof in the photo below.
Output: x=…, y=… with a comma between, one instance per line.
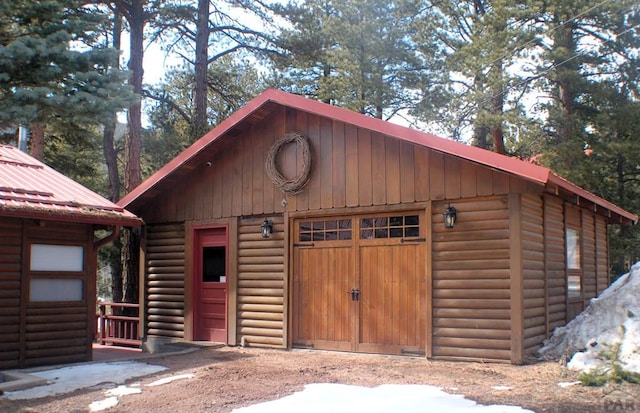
x=511, y=165
x=31, y=189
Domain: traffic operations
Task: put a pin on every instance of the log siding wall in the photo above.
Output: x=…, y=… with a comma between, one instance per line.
x=533, y=273
x=165, y=275
x=10, y=287
x=261, y=284
x=58, y=332
x=555, y=263
x=471, y=282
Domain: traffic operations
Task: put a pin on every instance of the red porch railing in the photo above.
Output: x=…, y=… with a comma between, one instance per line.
x=114, y=328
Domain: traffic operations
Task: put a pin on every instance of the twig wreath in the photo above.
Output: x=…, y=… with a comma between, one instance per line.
x=297, y=183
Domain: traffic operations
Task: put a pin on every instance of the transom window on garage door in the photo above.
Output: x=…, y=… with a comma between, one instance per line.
x=395, y=226
x=327, y=230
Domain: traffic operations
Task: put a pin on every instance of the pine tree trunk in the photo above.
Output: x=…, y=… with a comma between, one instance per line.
x=200, y=92
x=108, y=146
x=133, y=141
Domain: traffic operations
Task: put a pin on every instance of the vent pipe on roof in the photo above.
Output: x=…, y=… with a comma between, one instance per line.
x=23, y=138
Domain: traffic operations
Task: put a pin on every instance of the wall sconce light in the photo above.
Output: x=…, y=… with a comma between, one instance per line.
x=266, y=227
x=449, y=216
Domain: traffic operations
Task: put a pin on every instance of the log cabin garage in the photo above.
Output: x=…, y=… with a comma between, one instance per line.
x=48, y=247
x=297, y=224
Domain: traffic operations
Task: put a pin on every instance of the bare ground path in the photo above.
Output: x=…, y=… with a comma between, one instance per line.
x=228, y=378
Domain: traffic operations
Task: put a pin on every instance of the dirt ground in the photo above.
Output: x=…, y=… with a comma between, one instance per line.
x=229, y=378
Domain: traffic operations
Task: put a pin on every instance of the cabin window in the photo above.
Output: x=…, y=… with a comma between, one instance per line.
x=574, y=277
x=67, y=258
x=214, y=264
x=326, y=230
x=56, y=289
x=399, y=226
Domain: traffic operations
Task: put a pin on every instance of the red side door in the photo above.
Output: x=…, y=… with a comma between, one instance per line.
x=210, y=284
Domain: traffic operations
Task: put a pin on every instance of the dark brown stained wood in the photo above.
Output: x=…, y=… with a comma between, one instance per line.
x=436, y=175
x=351, y=143
x=533, y=270
x=421, y=164
x=471, y=295
x=365, y=190
x=10, y=290
x=325, y=164
x=165, y=271
x=260, y=287
x=602, y=255
x=556, y=278
x=314, y=186
x=484, y=181
x=516, y=266
x=453, y=175
x=407, y=177
x=391, y=171
x=339, y=165
x=301, y=200
x=589, y=273
x=378, y=158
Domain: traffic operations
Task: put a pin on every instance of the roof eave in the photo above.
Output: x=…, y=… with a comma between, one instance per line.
x=75, y=217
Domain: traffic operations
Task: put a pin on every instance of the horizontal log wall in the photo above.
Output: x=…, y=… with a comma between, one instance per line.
x=164, y=293
x=10, y=285
x=533, y=273
x=56, y=335
x=261, y=284
x=350, y=167
x=555, y=263
x=471, y=281
x=602, y=254
x=60, y=332
x=589, y=275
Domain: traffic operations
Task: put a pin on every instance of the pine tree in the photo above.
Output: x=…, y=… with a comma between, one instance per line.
x=53, y=70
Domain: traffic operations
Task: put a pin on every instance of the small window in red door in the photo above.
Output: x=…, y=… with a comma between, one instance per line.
x=214, y=266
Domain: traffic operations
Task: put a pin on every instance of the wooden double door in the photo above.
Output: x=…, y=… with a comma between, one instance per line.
x=359, y=284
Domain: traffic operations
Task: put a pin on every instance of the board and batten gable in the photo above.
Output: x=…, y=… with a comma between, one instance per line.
x=495, y=285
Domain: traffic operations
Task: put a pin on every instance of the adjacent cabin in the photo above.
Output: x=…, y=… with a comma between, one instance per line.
x=297, y=224
x=48, y=251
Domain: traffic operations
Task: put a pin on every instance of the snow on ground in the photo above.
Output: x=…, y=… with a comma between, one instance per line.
x=342, y=398
x=612, y=318
x=68, y=379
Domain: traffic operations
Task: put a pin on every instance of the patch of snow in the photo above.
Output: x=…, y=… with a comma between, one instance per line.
x=68, y=379
x=610, y=320
x=171, y=378
x=342, y=398
x=123, y=391
x=565, y=384
x=103, y=404
x=502, y=387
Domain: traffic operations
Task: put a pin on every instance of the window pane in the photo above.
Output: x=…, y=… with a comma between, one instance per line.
x=331, y=224
x=305, y=226
x=412, y=232
x=305, y=236
x=381, y=233
x=318, y=236
x=395, y=221
x=56, y=258
x=381, y=222
x=573, y=249
x=412, y=220
x=574, y=286
x=318, y=226
x=331, y=236
x=366, y=234
x=366, y=223
x=345, y=224
x=56, y=289
x=214, y=267
x=345, y=235
x=395, y=232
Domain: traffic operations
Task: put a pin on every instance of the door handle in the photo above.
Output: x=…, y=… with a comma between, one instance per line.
x=355, y=295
